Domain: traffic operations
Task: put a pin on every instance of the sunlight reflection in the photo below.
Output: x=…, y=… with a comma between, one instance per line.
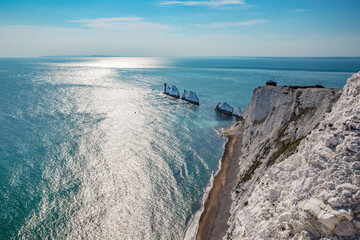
x=121, y=62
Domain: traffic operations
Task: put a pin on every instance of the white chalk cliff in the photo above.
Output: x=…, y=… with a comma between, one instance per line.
x=300, y=169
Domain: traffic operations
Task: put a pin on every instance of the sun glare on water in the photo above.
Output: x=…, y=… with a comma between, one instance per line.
x=122, y=62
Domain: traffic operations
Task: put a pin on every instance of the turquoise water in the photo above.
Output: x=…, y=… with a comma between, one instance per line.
x=90, y=148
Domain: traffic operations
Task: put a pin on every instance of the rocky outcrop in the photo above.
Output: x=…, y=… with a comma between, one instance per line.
x=300, y=169
x=191, y=97
x=239, y=113
x=224, y=108
x=171, y=91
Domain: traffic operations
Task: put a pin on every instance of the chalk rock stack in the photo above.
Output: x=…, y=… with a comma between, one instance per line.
x=191, y=97
x=224, y=108
x=171, y=91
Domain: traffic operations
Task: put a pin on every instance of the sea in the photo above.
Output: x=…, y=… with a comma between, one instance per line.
x=90, y=147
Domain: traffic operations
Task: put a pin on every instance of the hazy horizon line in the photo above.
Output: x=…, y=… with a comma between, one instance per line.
x=199, y=56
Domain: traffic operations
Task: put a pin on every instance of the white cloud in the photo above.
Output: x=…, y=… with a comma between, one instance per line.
x=107, y=20
x=214, y=4
x=232, y=24
x=124, y=23
x=301, y=10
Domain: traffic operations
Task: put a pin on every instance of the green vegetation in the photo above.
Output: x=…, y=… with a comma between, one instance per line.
x=257, y=163
x=302, y=112
x=248, y=174
x=285, y=149
x=257, y=122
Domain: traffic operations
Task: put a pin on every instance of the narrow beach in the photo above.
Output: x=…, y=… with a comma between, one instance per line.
x=213, y=221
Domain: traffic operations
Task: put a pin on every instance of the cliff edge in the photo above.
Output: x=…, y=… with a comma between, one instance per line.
x=300, y=168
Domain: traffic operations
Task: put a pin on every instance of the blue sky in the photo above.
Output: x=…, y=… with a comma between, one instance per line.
x=180, y=28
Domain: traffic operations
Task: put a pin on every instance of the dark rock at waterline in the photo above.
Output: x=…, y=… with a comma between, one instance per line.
x=224, y=108
x=238, y=113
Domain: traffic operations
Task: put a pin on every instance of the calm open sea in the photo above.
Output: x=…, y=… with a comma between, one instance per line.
x=91, y=149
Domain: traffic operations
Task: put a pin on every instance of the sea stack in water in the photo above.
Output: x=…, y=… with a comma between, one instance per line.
x=238, y=113
x=190, y=97
x=224, y=108
x=171, y=91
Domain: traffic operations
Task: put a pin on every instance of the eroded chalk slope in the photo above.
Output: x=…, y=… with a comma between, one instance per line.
x=300, y=171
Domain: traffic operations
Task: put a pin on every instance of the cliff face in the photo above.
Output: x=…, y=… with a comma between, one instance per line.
x=300, y=168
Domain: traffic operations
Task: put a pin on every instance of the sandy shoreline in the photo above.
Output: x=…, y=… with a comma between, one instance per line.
x=213, y=221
